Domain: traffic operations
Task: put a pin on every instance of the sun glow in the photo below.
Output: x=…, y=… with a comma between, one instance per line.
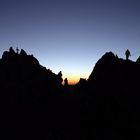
x=74, y=78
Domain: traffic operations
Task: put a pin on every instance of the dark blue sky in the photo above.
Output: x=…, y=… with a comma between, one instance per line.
x=70, y=35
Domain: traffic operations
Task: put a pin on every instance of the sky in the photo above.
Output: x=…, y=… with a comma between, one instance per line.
x=70, y=35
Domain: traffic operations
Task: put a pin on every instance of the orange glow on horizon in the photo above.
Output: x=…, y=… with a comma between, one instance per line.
x=73, y=79
x=72, y=82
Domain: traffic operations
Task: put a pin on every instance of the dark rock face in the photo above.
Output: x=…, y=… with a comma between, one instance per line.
x=114, y=73
x=22, y=68
x=35, y=105
x=114, y=92
x=28, y=96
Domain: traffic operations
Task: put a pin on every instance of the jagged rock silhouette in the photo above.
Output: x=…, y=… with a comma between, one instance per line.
x=24, y=84
x=114, y=73
x=18, y=68
x=35, y=105
x=114, y=93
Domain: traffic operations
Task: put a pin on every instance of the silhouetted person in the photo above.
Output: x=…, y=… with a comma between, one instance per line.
x=11, y=50
x=17, y=49
x=60, y=77
x=66, y=82
x=60, y=74
x=127, y=53
x=117, y=56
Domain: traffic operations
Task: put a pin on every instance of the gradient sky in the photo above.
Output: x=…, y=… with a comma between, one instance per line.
x=70, y=35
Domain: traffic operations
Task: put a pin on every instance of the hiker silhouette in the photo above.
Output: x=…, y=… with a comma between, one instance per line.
x=17, y=50
x=65, y=82
x=127, y=53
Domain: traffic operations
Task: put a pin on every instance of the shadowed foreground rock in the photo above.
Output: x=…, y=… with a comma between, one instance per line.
x=36, y=106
